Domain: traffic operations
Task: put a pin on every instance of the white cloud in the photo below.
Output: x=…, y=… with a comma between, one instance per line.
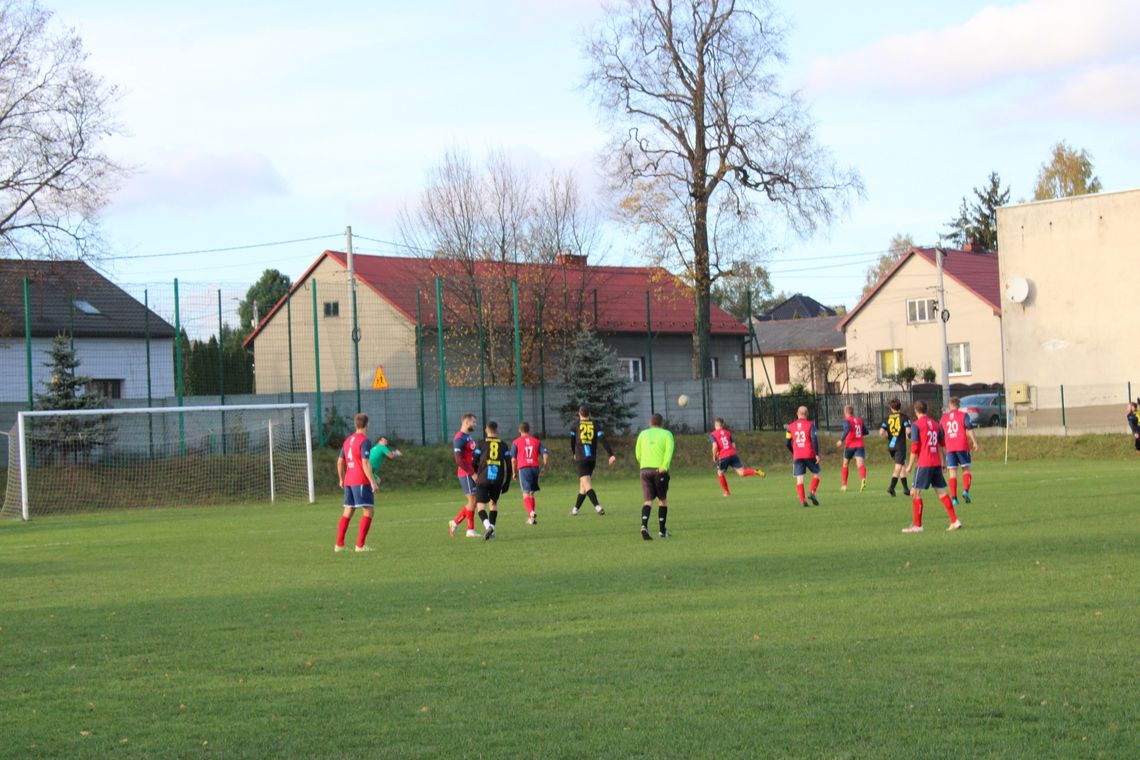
x=997, y=44
x=194, y=178
x=1108, y=92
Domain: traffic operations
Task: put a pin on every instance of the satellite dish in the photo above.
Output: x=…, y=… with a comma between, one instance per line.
x=1017, y=289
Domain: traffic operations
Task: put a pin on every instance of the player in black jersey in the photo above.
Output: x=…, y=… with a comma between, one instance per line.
x=585, y=437
x=492, y=476
x=896, y=429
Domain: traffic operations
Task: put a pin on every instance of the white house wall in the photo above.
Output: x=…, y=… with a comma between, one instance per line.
x=100, y=358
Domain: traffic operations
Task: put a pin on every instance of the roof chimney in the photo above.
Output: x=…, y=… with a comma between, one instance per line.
x=570, y=260
x=972, y=246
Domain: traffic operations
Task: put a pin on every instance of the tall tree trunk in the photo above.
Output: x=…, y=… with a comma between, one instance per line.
x=702, y=286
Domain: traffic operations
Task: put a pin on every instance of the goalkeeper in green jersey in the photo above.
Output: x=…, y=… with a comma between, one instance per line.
x=654, y=452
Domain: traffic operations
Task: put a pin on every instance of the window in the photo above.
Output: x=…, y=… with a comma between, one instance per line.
x=959, y=358
x=106, y=388
x=633, y=368
x=86, y=307
x=783, y=373
x=921, y=310
x=332, y=308
x=714, y=367
x=890, y=362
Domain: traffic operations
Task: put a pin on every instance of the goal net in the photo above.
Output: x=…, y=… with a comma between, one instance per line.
x=98, y=459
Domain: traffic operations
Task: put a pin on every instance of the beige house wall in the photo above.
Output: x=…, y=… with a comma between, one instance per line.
x=388, y=339
x=881, y=325
x=1075, y=328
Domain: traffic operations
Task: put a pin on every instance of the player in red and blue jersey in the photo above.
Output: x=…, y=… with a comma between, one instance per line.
x=803, y=442
x=927, y=444
x=960, y=440
x=526, y=450
x=853, y=447
x=463, y=446
x=725, y=455
x=354, y=473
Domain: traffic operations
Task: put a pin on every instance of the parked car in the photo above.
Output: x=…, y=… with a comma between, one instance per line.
x=984, y=409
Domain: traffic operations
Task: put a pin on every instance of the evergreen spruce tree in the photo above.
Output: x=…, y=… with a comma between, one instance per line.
x=593, y=376
x=978, y=221
x=68, y=390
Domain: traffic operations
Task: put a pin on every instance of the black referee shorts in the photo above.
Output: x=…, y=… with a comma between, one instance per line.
x=654, y=485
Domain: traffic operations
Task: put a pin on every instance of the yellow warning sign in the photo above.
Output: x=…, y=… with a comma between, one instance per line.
x=379, y=382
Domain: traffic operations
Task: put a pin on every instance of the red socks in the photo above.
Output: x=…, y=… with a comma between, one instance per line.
x=470, y=518
x=814, y=484
x=749, y=471
x=528, y=502
x=462, y=514
x=365, y=524
x=967, y=479
x=949, y=507
x=844, y=471
x=342, y=529
x=954, y=488
x=723, y=483
x=917, y=504
x=863, y=472
x=800, y=492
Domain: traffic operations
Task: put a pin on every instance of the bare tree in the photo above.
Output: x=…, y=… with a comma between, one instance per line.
x=703, y=129
x=54, y=112
x=479, y=228
x=900, y=244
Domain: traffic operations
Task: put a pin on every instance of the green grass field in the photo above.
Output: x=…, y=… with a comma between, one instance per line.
x=759, y=630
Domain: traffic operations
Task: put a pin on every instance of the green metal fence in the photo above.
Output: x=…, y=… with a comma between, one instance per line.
x=492, y=346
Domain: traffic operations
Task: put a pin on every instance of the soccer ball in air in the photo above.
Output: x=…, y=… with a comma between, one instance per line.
x=682, y=401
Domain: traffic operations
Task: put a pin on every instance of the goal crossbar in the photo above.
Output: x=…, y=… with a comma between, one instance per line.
x=21, y=427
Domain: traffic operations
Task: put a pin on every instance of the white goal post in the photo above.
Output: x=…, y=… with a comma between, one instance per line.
x=91, y=459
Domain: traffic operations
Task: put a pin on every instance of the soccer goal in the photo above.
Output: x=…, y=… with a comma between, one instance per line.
x=96, y=459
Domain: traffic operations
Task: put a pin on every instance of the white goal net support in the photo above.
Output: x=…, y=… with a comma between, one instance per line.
x=98, y=459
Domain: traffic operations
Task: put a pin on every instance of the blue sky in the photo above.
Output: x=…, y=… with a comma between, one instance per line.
x=282, y=120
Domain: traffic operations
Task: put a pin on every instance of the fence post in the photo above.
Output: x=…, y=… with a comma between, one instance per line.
x=355, y=329
x=420, y=366
x=149, y=398
x=179, y=380
x=289, y=333
x=750, y=368
x=221, y=371
x=28, y=342
x=482, y=354
x=1130, y=391
x=649, y=350
x=1064, y=423
x=541, y=369
x=317, y=365
x=518, y=351
x=442, y=365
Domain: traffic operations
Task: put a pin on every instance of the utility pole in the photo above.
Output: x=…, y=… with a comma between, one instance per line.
x=943, y=317
x=355, y=326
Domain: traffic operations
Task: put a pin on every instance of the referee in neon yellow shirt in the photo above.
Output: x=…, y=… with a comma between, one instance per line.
x=654, y=454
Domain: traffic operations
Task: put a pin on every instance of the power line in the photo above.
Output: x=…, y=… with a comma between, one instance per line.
x=226, y=249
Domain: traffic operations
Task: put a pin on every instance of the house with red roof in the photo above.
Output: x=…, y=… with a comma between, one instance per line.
x=400, y=301
x=896, y=325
